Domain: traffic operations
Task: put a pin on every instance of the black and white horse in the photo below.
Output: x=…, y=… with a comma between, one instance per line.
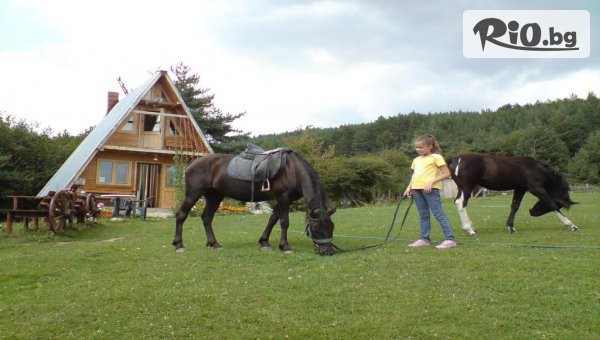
x=521, y=174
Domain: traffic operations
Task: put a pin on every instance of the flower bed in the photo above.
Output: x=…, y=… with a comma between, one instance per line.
x=231, y=208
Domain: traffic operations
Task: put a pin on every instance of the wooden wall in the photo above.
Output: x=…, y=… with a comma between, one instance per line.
x=161, y=99
x=126, y=138
x=91, y=172
x=188, y=140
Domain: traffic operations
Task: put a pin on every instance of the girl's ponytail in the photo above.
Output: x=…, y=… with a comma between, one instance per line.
x=430, y=140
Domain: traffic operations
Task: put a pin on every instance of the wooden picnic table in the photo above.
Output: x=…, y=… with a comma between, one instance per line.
x=116, y=198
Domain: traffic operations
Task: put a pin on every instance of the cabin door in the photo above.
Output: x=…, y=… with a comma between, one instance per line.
x=148, y=175
x=168, y=186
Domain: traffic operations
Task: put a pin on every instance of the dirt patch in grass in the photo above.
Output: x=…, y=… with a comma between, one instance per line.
x=115, y=239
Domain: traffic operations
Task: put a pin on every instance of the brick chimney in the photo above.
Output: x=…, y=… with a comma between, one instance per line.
x=113, y=99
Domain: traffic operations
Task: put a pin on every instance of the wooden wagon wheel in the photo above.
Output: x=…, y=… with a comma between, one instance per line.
x=91, y=207
x=62, y=206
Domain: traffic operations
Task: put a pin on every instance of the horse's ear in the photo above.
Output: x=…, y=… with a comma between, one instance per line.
x=332, y=211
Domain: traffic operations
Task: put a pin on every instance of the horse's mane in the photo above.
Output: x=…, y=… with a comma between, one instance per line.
x=556, y=177
x=319, y=195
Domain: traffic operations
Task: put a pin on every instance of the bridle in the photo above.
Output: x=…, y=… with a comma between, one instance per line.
x=316, y=242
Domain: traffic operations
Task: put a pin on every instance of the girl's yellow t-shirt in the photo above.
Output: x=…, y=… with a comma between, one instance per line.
x=426, y=169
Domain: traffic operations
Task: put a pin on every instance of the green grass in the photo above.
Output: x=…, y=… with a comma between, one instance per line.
x=123, y=279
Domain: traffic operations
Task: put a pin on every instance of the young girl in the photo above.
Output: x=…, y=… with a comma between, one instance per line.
x=429, y=171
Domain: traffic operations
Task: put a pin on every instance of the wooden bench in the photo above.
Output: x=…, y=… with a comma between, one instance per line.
x=25, y=213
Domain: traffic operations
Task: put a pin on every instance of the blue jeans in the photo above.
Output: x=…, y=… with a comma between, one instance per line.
x=431, y=201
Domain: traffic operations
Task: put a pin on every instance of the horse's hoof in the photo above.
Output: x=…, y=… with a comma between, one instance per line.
x=180, y=250
x=574, y=229
x=215, y=247
x=266, y=248
x=289, y=251
x=474, y=234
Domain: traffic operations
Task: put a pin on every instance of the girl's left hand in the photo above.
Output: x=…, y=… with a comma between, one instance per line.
x=428, y=187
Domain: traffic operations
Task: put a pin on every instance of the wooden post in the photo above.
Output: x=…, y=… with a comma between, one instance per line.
x=15, y=203
x=36, y=223
x=26, y=224
x=116, y=202
x=9, y=222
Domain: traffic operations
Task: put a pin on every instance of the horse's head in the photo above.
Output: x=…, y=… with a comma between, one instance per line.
x=558, y=189
x=320, y=228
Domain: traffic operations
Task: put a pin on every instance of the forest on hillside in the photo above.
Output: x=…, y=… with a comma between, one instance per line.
x=362, y=163
x=564, y=133
x=509, y=130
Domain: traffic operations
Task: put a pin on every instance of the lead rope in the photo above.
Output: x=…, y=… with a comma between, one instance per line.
x=387, y=236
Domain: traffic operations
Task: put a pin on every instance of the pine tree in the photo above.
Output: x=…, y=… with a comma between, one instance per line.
x=216, y=124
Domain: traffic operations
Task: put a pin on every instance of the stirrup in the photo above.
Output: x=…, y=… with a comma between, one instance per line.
x=266, y=187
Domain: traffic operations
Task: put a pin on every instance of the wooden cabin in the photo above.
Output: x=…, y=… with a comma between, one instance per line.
x=131, y=151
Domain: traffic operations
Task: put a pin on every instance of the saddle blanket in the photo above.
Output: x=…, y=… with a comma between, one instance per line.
x=257, y=165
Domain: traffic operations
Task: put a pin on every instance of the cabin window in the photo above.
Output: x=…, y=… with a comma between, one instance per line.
x=151, y=123
x=161, y=95
x=173, y=131
x=129, y=124
x=156, y=95
x=105, y=173
x=122, y=171
x=113, y=172
x=170, y=176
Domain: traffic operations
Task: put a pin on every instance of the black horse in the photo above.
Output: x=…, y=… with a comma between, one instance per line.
x=521, y=174
x=208, y=177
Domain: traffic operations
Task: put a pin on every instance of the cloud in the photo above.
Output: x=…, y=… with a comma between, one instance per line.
x=288, y=64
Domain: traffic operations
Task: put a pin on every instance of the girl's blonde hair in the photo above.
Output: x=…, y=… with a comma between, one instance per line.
x=430, y=140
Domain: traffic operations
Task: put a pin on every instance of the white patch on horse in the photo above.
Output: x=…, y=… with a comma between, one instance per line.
x=467, y=224
x=457, y=166
x=566, y=221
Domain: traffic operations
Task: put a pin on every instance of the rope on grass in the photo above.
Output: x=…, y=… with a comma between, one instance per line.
x=490, y=244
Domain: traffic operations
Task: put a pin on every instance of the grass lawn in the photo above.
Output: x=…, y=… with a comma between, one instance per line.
x=123, y=279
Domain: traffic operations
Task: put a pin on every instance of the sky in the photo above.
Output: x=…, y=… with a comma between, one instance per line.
x=287, y=64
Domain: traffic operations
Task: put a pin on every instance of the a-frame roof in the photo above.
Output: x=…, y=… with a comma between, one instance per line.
x=88, y=148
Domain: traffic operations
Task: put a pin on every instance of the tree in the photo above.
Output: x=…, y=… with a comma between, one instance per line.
x=216, y=124
x=585, y=166
x=400, y=162
x=28, y=159
x=571, y=128
x=360, y=179
x=313, y=151
x=385, y=140
x=543, y=144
